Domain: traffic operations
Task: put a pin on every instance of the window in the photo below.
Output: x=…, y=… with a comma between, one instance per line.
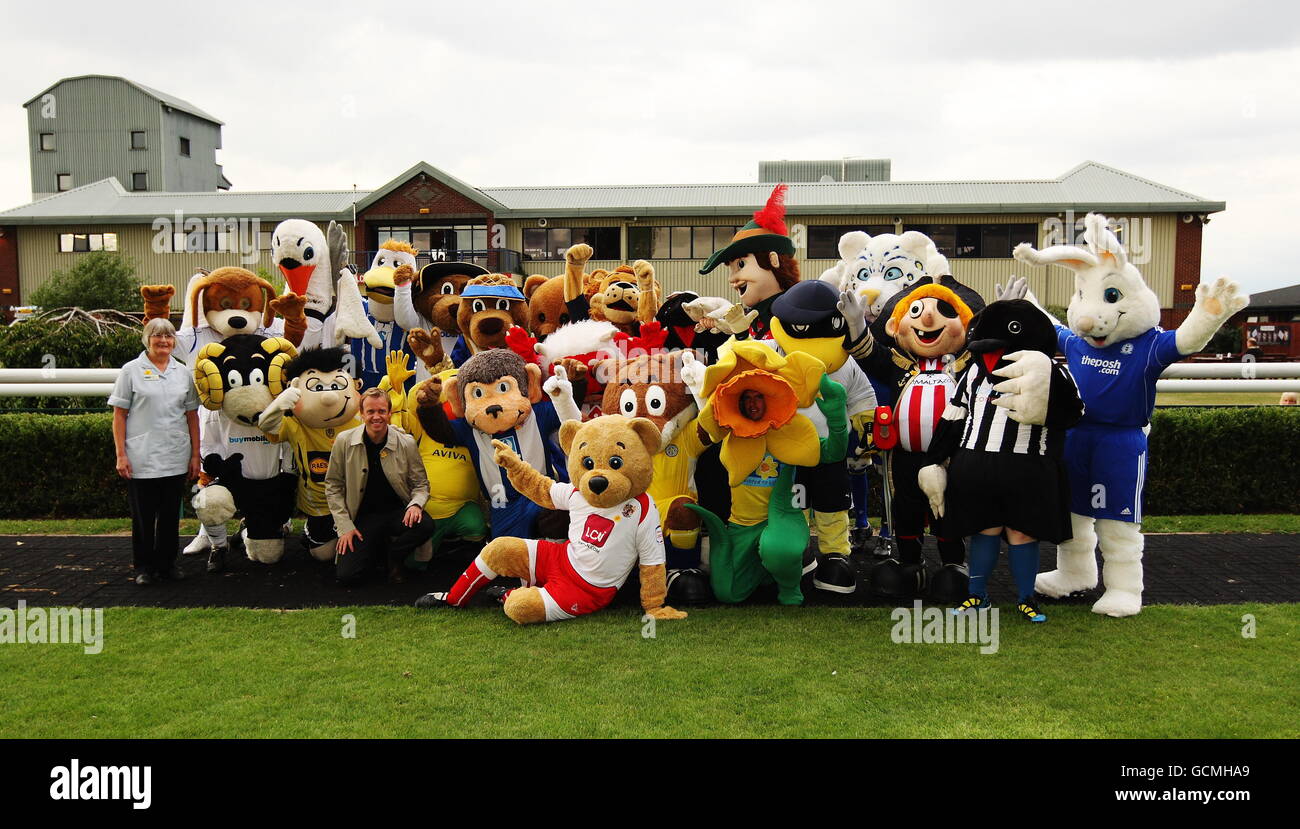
x=550, y=243
x=139, y=181
x=63, y=182
x=824, y=240
x=79, y=242
x=209, y=240
x=137, y=140
x=978, y=241
x=47, y=142
x=676, y=242
x=185, y=147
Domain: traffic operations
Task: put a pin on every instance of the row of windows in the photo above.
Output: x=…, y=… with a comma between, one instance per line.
x=63, y=182
x=139, y=141
x=540, y=244
x=550, y=243
x=978, y=241
x=824, y=240
x=79, y=242
x=437, y=238
x=975, y=241
x=676, y=242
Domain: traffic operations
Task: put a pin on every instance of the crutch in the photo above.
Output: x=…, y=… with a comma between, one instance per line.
x=885, y=438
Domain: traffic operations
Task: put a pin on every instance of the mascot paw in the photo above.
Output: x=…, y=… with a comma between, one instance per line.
x=578, y=254
x=933, y=480
x=505, y=456
x=1057, y=583
x=403, y=275
x=558, y=384
x=214, y=505
x=157, y=293
x=429, y=394
x=1223, y=298
x=665, y=612
x=1118, y=603
x=290, y=306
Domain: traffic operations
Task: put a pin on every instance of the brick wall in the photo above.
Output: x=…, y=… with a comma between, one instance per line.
x=1187, y=272
x=10, y=294
x=404, y=204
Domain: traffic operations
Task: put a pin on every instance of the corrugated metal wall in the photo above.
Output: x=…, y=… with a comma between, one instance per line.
x=92, y=129
x=1053, y=286
x=38, y=256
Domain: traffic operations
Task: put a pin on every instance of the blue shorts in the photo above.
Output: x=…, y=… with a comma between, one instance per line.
x=1107, y=466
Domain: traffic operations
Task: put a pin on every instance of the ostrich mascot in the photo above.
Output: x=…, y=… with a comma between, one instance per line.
x=315, y=268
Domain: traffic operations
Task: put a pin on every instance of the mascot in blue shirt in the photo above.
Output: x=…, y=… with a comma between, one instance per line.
x=1116, y=351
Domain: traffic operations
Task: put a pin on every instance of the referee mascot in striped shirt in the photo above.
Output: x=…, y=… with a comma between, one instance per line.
x=1002, y=436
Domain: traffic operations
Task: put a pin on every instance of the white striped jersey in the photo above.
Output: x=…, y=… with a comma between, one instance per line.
x=988, y=428
x=921, y=403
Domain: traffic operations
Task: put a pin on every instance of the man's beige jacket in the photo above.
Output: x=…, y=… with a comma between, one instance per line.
x=345, y=480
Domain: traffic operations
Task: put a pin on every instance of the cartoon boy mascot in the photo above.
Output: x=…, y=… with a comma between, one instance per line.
x=321, y=400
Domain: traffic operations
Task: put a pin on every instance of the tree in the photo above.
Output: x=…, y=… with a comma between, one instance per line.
x=99, y=279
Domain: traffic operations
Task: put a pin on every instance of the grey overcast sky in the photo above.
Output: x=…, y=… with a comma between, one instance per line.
x=1201, y=96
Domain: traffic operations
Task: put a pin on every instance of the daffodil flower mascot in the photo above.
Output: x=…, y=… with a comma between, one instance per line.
x=1116, y=352
x=753, y=399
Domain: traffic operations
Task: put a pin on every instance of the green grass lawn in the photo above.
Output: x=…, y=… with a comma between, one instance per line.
x=1243, y=398
x=726, y=672
x=1272, y=523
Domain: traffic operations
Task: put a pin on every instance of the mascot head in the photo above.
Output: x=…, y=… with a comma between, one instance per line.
x=242, y=374
x=495, y=391
x=330, y=396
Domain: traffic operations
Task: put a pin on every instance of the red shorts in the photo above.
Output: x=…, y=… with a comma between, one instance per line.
x=565, y=593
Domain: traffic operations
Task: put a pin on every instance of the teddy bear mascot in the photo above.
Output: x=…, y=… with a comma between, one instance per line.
x=806, y=319
x=320, y=400
x=314, y=265
x=239, y=377
x=430, y=301
x=1116, y=352
x=628, y=296
x=220, y=304
x=490, y=305
x=495, y=395
x=613, y=526
x=754, y=397
x=995, y=461
x=928, y=328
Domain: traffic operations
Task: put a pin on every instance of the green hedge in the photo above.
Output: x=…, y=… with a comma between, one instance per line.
x=1203, y=461
x=59, y=466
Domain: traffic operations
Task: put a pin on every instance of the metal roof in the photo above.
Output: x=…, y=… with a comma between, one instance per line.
x=162, y=97
x=1277, y=298
x=1090, y=186
x=107, y=201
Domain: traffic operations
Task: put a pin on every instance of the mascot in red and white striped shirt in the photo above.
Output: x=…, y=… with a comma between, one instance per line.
x=928, y=326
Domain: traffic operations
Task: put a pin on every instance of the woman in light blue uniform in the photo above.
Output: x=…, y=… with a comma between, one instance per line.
x=156, y=434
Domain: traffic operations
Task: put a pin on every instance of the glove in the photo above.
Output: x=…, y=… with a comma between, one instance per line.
x=933, y=480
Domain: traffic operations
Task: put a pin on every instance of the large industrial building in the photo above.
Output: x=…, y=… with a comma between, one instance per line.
x=170, y=232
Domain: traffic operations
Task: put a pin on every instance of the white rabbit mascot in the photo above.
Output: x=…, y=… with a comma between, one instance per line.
x=1116, y=352
x=877, y=267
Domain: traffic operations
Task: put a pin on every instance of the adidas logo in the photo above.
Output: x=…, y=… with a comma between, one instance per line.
x=1126, y=511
